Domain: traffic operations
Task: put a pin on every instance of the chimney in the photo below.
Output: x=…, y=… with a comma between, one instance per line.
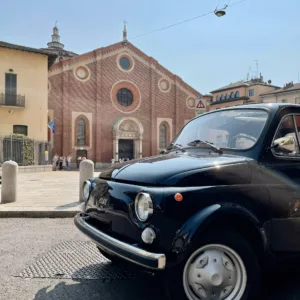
x=261, y=78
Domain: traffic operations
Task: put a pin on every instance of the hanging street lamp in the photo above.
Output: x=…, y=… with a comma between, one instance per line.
x=220, y=12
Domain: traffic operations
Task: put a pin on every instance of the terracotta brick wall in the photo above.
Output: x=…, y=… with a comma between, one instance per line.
x=69, y=94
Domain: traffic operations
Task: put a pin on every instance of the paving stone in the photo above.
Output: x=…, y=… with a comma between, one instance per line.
x=46, y=194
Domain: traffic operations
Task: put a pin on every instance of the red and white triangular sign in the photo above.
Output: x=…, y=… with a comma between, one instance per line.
x=200, y=104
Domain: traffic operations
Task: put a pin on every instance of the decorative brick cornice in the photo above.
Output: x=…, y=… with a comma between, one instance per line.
x=114, y=49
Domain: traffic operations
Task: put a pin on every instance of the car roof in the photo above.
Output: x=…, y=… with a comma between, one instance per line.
x=274, y=107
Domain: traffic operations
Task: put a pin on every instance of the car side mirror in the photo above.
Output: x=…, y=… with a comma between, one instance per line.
x=286, y=144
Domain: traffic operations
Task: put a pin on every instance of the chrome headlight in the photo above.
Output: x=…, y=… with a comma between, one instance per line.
x=143, y=206
x=86, y=189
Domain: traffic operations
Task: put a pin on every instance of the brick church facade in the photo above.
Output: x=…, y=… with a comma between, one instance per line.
x=116, y=102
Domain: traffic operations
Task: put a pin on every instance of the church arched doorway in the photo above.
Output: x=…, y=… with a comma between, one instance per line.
x=128, y=138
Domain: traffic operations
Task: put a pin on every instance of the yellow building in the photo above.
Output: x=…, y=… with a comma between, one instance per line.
x=241, y=92
x=24, y=91
x=290, y=93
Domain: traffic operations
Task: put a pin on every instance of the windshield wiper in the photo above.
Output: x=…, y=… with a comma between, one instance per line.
x=176, y=146
x=197, y=142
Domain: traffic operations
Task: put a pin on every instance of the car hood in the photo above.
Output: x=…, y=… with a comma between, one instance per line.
x=158, y=170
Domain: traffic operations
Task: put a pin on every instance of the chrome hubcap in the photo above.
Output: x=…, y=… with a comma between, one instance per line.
x=214, y=272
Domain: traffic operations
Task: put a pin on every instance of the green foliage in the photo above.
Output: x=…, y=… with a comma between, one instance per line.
x=22, y=149
x=28, y=152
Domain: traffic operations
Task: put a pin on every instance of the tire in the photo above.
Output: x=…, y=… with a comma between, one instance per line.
x=221, y=252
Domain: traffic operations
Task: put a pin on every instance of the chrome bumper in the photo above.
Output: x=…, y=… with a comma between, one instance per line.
x=126, y=251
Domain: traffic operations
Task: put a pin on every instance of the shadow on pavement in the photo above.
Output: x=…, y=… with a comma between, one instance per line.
x=285, y=288
x=73, y=204
x=122, y=283
x=282, y=286
x=97, y=290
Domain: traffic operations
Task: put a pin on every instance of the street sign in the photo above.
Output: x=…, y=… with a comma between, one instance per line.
x=200, y=104
x=200, y=107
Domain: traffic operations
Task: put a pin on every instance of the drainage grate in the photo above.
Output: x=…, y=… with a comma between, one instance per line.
x=75, y=260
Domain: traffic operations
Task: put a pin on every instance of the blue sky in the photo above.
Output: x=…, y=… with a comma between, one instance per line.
x=207, y=53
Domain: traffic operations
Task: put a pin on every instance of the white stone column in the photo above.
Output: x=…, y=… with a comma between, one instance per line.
x=141, y=148
x=116, y=149
x=136, y=149
x=86, y=172
x=9, y=190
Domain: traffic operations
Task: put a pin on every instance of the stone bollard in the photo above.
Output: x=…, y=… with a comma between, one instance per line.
x=9, y=182
x=86, y=171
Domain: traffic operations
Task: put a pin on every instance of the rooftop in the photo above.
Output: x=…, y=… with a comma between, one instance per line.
x=287, y=88
x=243, y=83
x=231, y=86
x=51, y=56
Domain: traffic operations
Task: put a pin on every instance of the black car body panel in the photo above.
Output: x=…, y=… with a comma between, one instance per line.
x=251, y=185
x=157, y=170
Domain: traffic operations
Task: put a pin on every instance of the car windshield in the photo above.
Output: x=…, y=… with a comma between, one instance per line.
x=234, y=129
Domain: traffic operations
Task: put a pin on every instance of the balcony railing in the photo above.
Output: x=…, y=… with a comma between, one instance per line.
x=12, y=100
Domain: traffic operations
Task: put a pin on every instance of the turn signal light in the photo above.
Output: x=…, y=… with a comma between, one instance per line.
x=178, y=197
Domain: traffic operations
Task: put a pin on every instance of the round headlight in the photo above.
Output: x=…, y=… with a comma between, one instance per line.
x=86, y=190
x=143, y=206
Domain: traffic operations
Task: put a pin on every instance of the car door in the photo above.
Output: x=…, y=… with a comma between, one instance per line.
x=281, y=172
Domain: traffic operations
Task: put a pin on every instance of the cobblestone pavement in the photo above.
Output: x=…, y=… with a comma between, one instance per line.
x=46, y=192
x=25, y=243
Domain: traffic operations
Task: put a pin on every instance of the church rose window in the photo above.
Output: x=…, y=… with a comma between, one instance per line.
x=125, y=63
x=125, y=97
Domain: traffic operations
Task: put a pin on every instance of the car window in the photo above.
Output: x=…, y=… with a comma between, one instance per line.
x=235, y=129
x=285, y=129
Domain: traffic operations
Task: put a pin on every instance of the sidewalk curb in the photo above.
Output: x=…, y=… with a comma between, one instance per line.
x=38, y=214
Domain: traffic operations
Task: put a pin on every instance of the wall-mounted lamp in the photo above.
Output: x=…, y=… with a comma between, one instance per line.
x=11, y=70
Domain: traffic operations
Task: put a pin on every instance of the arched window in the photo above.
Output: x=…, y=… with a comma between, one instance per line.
x=232, y=95
x=218, y=97
x=237, y=94
x=81, y=132
x=162, y=136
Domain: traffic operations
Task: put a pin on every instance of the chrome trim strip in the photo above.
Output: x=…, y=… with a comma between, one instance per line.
x=161, y=258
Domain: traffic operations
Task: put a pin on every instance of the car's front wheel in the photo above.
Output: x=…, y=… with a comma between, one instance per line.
x=222, y=266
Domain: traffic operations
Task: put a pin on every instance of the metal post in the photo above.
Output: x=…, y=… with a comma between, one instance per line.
x=86, y=171
x=9, y=182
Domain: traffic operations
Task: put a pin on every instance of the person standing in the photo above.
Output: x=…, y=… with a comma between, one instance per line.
x=54, y=162
x=69, y=159
x=60, y=163
x=64, y=164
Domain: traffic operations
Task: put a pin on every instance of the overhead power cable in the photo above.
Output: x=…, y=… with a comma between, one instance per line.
x=185, y=21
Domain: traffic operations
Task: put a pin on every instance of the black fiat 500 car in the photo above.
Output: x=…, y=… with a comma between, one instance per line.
x=210, y=213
